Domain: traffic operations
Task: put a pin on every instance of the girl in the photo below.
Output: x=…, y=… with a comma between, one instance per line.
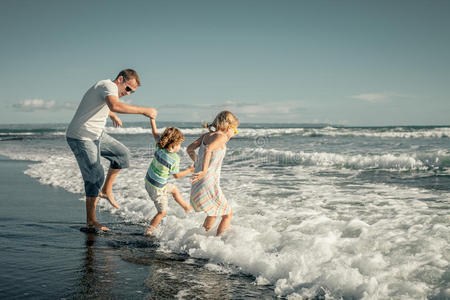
x=206, y=194
x=166, y=162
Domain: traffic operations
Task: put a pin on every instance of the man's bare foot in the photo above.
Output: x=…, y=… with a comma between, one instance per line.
x=110, y=197
x=188, y=208
x=97, y=226
x=149, y=230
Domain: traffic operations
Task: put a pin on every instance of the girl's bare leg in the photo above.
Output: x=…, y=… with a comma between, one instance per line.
x=91, y=218
x=224, y=223
x=155, y=222
x=179, y=199
x=209, y=222
x=106, y=191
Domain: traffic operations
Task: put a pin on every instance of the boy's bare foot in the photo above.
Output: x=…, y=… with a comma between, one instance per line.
x=97, y=226
x=110, y=197
x=149, y=230
x=188, y=208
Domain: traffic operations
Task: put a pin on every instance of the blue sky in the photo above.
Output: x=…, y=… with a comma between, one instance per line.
x=358, y=63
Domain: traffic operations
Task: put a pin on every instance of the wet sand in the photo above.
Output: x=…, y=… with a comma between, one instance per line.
x=43, y=254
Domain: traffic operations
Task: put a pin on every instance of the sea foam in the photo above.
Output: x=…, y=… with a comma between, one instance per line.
x=350, y=161
x=403, y=133
x=305, y=234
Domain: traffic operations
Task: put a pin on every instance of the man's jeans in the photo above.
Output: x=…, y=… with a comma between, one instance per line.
x=88, y=152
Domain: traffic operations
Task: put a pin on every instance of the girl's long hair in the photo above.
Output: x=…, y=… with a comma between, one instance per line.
x=224, y=119
x=171, y=136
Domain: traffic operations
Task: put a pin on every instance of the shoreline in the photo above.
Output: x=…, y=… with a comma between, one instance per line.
x=33, y=229
x=44, y=254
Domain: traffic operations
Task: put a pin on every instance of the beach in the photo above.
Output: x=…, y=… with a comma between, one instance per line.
x=43, y=254
x=319, y=211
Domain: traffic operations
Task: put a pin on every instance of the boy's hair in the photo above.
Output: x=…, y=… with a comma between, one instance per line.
x=171, y=136
x=129, y=74
x=222, y=121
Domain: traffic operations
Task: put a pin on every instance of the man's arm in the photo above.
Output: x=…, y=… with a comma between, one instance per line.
x=117, y=122
x=119, y=107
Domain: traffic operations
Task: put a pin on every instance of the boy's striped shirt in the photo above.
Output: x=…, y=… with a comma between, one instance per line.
x=163, y=165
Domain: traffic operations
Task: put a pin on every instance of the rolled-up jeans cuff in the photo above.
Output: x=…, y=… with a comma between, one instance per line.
x=87, y=155
x=114, y=151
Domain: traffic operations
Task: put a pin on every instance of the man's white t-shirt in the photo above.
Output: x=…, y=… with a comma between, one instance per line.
x=90, y=118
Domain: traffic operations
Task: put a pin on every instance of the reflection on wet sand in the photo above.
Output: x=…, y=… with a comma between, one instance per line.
x=132, y=266
x=97, y=275
x=173, y=275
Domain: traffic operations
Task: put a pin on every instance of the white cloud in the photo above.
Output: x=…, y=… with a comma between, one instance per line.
x=287, y=111
x=65, y=106
x=127, y=101
x=380, y=97
x=264, y=109
x=40, y=104
x=34, y=104
x=373, y=98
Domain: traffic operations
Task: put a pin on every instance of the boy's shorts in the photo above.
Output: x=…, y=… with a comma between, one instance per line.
x=159, y=196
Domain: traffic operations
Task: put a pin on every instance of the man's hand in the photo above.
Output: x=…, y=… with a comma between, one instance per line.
x=150, y=113
x=115, y=120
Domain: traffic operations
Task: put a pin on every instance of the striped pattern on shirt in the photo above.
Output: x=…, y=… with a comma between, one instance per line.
x=163, y=165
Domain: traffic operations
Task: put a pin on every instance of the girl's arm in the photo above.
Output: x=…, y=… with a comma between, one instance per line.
x=219, y=140
x=154, y=130
x=191, y=148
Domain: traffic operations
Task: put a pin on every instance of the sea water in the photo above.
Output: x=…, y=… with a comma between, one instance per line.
x=339, y=212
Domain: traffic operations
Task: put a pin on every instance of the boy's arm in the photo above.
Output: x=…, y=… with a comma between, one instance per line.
x=184, y=172
x=154, y=129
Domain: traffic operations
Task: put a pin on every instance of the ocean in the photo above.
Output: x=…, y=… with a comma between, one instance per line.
x=323, y=212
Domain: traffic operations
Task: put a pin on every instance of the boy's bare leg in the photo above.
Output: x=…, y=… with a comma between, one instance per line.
x=209, y=222
x=179, y=199
x=91, y=218
x=154, y=222
x=106, y=191
x=224, y=223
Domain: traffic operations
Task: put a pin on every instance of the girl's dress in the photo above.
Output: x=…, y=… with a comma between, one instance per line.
x=206, y=194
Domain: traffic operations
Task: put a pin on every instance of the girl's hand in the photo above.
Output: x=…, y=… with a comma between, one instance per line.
x=191, y=168
x=116, y=120
x=197, y=176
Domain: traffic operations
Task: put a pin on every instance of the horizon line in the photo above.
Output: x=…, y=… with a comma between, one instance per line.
x=249, y=123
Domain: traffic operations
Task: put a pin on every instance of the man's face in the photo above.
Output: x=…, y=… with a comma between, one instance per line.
x=126, y=87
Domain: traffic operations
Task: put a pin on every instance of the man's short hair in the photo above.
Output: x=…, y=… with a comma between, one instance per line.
x=128, y=74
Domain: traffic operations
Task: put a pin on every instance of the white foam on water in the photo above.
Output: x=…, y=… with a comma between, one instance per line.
x=383, y=133
x=243, y=132
x=356, y=161
x=404, y=133
x=17, y=133
x=399, y=132
x=300, y=232
x=141, y=130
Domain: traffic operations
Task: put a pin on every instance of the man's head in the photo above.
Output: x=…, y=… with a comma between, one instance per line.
x=127, y=81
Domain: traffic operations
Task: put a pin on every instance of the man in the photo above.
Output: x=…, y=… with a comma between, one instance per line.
x=88, y=141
